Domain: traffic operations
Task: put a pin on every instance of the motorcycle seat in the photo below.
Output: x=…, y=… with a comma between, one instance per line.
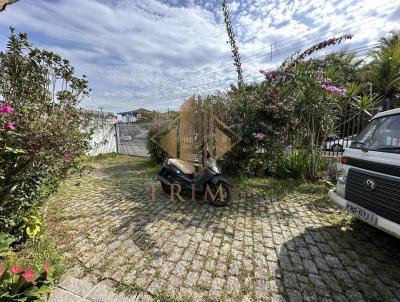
x=184, y=166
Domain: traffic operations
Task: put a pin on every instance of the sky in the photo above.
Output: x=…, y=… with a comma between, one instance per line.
x=155, y=54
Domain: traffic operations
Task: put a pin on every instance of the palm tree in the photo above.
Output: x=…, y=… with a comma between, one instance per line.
x=392, y=38
x=384, y=69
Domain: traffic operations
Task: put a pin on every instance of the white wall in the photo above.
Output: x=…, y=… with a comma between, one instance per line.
x=103, y=141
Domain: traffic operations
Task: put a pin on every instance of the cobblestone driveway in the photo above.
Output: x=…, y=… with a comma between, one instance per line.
x=257, y=249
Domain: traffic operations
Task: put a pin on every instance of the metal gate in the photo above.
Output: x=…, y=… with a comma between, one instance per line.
x=131, y=138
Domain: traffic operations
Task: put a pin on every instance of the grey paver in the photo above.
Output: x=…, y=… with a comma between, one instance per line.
x=290, y=249
x=61, y=295
x=79, y=287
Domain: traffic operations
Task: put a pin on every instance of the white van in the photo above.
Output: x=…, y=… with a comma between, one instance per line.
x=368, y=178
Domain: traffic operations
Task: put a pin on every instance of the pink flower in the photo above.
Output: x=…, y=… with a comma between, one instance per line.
x=10, y=125
x=6, y=109
x=67, y=159
x=46, y=268
x=15, y=270
x=326, y=81
x=335, y=90
x=29, y=275
x=259, y=136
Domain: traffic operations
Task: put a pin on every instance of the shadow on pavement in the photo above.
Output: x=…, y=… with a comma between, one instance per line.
x=353, y=263
x=138, y=219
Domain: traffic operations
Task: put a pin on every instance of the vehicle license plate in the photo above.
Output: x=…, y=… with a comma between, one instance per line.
x=361, y=213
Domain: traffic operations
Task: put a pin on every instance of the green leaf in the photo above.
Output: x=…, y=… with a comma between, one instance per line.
x=32, y=231
x=44, y=289
x=14, y=150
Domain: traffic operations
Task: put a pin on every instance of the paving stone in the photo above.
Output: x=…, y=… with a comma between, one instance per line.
x=354, y=295
x=333, y=262
x=310, y=266
x=256, y=246
x=191, y=279
x=61, y=295
x=102, y=294
x=294, y=295
x=261, y=290
x=216, y=289
x=79, y=287
x=233, y=286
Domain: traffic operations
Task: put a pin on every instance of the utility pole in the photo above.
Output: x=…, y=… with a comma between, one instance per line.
x=271, y=52
x=102, y=117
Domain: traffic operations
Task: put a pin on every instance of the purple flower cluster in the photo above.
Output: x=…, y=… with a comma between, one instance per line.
x=7, y=110
x=259, y=136
x=335, y=90
x=326, y=81
x=10, y=125
x=276, y=75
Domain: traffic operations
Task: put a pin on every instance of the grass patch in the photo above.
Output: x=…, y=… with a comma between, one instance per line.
x=119, y=163
x=342, y=219
x=163, y=296
x=278, y=187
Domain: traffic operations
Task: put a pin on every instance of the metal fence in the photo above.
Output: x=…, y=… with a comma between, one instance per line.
x=131, y=138
x=334, y=143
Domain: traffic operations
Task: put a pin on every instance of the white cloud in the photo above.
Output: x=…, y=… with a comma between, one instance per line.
x=150, y=54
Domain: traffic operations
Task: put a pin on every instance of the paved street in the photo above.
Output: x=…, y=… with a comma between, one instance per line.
x=296, y=248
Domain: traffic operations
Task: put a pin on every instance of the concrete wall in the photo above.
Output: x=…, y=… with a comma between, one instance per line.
x=103, y=140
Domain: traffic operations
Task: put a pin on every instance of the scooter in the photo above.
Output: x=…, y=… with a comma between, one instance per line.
x=209, y=182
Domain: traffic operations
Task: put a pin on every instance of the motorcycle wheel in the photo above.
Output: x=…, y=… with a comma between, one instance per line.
x=226, y=189
x=167, y=188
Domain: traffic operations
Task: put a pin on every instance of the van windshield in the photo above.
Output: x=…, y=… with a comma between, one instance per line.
x=382, y=134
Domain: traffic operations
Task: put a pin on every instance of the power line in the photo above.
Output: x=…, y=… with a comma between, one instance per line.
x=208, y=83
x=205, y=71
x=200, y=76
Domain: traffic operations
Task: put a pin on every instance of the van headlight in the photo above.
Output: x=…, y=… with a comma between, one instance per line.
x=342, y=176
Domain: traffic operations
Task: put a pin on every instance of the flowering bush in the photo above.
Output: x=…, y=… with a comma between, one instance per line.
x=41, y=129
x=262, y=118
x=24, y=283
x=300, y=98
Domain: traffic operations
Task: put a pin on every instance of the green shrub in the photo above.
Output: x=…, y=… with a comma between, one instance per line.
x=294, y=164
x=41, y=129
x=5, y=242
x=263, y=122
x=156, y=133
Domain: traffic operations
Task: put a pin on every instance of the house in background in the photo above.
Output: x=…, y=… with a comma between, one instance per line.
x=101, y=118
x=135, y=115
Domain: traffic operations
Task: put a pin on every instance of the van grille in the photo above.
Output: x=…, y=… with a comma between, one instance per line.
x=384, y=200
x=374, y=166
